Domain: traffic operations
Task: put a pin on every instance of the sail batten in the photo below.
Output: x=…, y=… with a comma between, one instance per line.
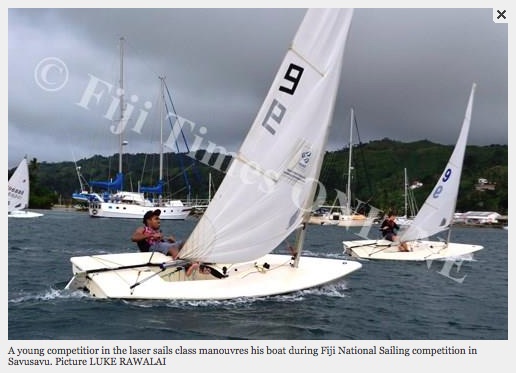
x=266, y=193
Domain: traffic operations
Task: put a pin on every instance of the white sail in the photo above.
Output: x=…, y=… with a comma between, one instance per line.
x=269, y=187
x=18, y=192
x=436, y=214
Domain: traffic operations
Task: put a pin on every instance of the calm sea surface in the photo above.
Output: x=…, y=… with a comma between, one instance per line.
x=382, y=301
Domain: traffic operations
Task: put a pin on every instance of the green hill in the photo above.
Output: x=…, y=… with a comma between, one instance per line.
x=377, y=177
x=378, y=173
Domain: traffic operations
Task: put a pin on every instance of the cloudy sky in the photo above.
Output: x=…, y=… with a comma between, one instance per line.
x=407, y=73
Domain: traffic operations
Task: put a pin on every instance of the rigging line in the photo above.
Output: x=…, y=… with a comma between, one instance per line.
x=175, y=113
x=179, y=268
x=181, y=163
x=435, y=252
x=195, y=170
x=176, y=263
x=381, y=248
x=170, y=121
x=100, y=270
x=376, y=243
x=368, y=179
x=177, y=192
x=168, y=180
x=147, y=155
x=105, y=261
x=264, y=268
x=143, y=168
x=182, y=135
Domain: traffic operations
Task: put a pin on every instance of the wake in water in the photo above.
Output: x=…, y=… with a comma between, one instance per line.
x=48, y=295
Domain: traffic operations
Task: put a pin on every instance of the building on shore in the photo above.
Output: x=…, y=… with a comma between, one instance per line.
x=477, y=217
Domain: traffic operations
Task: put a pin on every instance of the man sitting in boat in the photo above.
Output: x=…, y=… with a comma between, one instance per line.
x=150, y=238
x=389, y=229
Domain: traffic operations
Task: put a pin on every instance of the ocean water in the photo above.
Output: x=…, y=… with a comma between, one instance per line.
x=441, y=300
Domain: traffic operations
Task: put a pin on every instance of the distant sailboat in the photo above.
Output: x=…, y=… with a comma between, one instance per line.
x=18, y=193
x=344, y=215
x=280, y=160
x=133, y=205
x=85, y=196
x=410, y=204
x=436, y=215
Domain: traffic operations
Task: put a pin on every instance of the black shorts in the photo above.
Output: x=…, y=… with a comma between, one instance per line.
x=389, y=236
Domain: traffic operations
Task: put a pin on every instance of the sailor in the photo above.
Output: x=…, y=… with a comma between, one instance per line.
x=389, y=229
x=150, y=238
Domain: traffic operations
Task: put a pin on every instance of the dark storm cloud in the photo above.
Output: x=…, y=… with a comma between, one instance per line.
x=407, y=72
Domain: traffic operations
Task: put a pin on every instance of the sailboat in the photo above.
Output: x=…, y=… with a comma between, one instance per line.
x=273, y=175
x=436, y=215
x=200, y=205
x=132, y=205
x=18, y=193
x=410, y=204
x=345, y=216
x=85, y=196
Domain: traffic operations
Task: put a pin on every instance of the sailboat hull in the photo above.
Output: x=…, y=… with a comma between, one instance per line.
x=342, y=220
x=135, y=211
x=270, y=275
x=421, y=250
x=24, y=214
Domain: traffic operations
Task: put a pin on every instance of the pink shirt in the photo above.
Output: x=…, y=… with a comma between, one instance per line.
x=150, y=240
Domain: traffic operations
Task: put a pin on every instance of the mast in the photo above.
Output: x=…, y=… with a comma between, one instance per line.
x=406, y=192
x=78, y=170
x=122, y=109
x=27, y=196
x=348, y=190
x=209, y=187
x=161, y=108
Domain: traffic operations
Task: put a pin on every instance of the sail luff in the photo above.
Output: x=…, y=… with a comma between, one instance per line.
x=346, y=22
x=270, y=185
x=436, y=214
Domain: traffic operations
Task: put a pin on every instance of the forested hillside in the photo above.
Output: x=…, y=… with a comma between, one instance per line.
x=377, y=176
